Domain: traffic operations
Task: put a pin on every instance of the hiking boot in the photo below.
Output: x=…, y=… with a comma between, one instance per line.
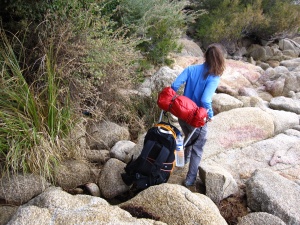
x=187, y=183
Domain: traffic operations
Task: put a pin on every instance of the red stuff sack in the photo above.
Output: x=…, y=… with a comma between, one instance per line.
x=182, y=107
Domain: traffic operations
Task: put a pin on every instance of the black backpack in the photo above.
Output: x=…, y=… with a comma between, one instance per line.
x=156, y=161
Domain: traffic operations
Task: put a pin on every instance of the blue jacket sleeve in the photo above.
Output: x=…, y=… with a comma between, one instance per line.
x=206, y=98
x=181, y=79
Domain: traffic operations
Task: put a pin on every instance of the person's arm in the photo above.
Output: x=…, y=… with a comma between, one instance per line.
x=206, y=99
x=181, y=79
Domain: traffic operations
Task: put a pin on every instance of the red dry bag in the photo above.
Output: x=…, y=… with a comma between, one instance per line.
x=182, y=107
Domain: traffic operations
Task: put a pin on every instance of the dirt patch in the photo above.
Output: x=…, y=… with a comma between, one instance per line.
x=139, y=212
x=232, y=208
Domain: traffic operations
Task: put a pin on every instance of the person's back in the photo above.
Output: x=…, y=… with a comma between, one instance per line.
x=201, y=81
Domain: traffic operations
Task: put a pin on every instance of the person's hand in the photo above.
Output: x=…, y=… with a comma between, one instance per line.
x=210, y=119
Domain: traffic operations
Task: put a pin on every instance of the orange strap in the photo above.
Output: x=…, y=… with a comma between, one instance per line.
x=166, y=127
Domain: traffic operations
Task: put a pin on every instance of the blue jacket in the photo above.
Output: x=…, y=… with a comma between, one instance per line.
x=196, y=87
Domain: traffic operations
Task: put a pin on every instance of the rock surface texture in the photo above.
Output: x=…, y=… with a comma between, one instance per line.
x=252, y=154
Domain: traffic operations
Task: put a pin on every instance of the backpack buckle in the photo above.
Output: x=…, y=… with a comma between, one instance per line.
x=137, y=176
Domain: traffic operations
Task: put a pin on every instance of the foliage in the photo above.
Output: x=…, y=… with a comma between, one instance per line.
x=283, y=18
x=18, y=13
x=232, y=19
x=82, y=14
x=157, y=24
x=26, y=12
x=33, y=125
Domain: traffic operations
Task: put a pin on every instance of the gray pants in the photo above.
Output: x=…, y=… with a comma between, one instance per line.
x=194, y=152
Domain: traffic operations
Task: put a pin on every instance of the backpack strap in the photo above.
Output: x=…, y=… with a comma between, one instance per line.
x=162, y=157
x=156, y=177
x=147, y=148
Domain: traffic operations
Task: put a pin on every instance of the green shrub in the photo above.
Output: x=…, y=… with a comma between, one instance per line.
x=81, y=14
x=157, y=24
x=26, y=12
x=230, y=20
x=283, y=19
x=17, y=13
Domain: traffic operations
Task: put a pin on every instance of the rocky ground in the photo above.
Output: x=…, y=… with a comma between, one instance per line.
x=249, y=173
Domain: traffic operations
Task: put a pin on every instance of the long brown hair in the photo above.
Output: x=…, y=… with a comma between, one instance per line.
x=214, y=58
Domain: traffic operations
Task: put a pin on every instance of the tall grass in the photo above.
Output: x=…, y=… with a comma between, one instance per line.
x=58, y=117
x=32, y=124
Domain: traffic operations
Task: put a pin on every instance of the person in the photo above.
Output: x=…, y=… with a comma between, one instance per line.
x=201, y=82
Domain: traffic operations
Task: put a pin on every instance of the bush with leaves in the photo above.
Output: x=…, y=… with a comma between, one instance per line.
x=18, y=13
x=229, y=20
x=283, y=19
x=157, y=24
